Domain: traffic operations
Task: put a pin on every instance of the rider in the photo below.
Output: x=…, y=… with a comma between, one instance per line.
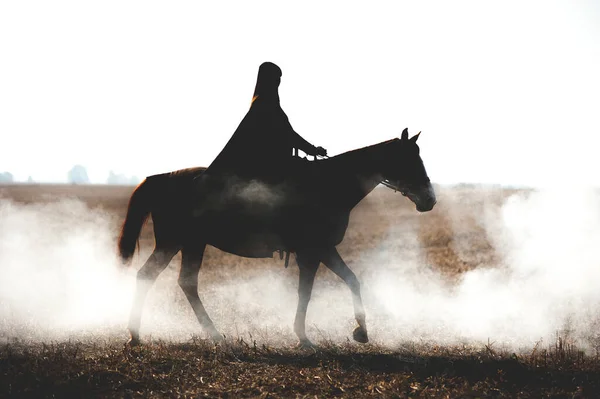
x=261, y=147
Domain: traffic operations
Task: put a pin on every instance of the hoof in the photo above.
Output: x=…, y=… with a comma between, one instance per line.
x=133, y=342
x=305, y=344
x=360, y=335
x=216, y=337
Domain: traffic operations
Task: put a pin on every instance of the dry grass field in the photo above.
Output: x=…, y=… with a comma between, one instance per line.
x=452, y=240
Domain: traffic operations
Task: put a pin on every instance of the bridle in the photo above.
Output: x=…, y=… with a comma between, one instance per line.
x=388, y=184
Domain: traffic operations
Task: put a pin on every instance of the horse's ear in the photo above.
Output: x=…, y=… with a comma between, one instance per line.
x=415, y=137
x=404, y=136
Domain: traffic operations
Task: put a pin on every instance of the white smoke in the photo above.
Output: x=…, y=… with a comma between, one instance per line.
x=58, y=272
x=59, y=278
x=257, y=192
x=545, y=284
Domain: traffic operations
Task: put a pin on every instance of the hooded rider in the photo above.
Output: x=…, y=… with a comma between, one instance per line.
x=261, y=147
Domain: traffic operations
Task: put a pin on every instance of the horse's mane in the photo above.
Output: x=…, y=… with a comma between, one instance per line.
x=356, y=155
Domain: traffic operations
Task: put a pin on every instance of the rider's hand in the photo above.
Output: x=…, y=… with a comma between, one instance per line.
x=321, y=151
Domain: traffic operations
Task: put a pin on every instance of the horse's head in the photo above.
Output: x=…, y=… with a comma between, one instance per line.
x=403, y=170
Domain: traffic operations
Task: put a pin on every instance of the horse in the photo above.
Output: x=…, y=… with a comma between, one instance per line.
x=307, y=217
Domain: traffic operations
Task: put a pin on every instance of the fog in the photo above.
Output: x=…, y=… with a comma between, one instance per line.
x=60, y=279
x=545, y=284
x=58, y=272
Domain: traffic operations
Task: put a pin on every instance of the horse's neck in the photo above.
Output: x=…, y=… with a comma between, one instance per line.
x=358, y=173
x=366, y=184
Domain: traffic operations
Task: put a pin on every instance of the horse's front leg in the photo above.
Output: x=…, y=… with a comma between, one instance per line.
x=336, y=264
x=308, y=263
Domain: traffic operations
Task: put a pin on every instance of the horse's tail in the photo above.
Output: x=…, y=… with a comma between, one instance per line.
x=137, y=212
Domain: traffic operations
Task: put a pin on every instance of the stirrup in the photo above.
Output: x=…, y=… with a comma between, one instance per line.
x=287, y=256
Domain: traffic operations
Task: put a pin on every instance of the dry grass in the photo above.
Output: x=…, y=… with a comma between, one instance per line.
x=453, y=242
x=242, y=369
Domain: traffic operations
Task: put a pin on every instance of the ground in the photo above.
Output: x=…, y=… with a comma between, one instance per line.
x=249, y=366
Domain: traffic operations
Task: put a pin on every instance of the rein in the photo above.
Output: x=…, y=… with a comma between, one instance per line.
x=389, y=185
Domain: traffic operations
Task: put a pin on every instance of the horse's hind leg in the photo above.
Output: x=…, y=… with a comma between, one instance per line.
x=308, y=263
x=191, y=261
x=156, y=263
x=336, y=264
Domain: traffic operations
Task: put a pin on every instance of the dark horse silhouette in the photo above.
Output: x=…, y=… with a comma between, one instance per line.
x=308, y=215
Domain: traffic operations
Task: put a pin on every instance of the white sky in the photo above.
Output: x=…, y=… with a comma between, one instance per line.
x=505, y=92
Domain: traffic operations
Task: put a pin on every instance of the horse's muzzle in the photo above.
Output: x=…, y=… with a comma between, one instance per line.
x=423, y=197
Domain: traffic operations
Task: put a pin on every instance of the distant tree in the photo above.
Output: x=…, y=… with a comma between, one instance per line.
x=6, y=177
x=30, y=180
x=78, y=175
x=114, y=178
x=120, y=179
